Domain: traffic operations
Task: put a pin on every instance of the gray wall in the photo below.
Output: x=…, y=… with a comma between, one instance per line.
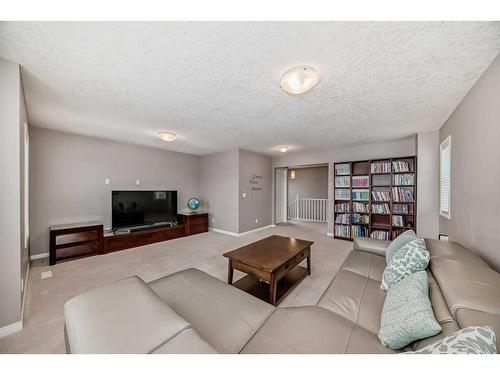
x=219, y=189
x=68, y=173
x=255, y=210
x=308, y=183
x=428, y=184
x=403, y=147
x=475, y=168
x=12, y=256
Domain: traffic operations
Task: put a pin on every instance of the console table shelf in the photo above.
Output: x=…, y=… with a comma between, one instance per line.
x=75, y=241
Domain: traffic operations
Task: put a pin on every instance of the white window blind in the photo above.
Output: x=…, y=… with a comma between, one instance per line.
x=445, y=177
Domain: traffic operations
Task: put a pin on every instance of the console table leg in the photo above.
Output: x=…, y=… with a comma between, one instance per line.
x=230, y=272
x=309, y=264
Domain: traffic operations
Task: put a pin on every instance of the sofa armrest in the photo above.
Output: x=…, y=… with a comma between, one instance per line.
x=371, y=245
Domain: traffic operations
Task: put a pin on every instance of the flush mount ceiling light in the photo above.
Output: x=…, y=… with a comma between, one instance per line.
x=166, y=136
x=283, y=148
x=299, y=79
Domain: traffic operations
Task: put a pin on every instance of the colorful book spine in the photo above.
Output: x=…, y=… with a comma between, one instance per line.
x=403, y=179
x=342, y=230
x=401, y=194
x=342, y=207
x=400, y=166
x=360, y=195
x=342, y=181
x=342, y=169
x=360, y=207
x=381, y=235
x=381, y=167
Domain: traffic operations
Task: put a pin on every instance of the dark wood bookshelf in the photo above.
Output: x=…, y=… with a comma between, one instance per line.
x=382, y=182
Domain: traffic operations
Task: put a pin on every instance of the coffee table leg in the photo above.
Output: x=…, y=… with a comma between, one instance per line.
x=230, y=272
x=272, y=289
x=309, y=264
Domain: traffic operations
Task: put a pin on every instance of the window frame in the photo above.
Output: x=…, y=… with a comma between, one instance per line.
x=445, y=144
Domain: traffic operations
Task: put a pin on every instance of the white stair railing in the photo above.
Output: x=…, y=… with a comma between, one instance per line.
x=308, y=209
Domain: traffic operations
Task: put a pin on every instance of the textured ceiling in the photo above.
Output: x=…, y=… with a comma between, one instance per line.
x=216, y=84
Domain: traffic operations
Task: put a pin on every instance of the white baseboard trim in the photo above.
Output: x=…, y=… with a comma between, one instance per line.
x=11, y=328
x=258, y=229
x=39, y=256
x=224, y=232
x=25, y=286
x=234, y=234
x=329, y=234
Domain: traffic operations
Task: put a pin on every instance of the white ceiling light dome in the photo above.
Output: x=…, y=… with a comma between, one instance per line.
x=283, y=148
x=166, y=136
x=299, y=79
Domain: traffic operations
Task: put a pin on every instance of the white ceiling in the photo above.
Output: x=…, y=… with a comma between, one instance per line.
x=216, y=84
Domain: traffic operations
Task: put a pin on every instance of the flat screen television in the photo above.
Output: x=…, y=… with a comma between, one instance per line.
x=136, y=208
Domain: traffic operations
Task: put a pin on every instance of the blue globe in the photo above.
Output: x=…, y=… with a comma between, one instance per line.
x=193, y=203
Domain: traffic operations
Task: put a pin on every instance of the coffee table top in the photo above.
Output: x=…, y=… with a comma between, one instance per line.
x=269, y=253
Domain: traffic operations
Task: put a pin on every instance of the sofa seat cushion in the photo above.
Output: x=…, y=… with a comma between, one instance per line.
x=365, y=264
x=123, y=317
x=356, y=298
x=223, y=315
x=312, y=329
x=186, y=342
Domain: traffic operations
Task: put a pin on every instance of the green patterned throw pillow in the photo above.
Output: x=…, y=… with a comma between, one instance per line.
x=407, y=313
x=411, y=258
x=470, y=340
x=399, y=242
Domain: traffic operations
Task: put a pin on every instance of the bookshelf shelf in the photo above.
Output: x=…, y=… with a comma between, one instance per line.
x=378, y=178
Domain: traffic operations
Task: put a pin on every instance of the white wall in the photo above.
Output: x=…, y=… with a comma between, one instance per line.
x=68, y=173
x=11, y=149
x=474, y=127
x=308, y=183
x=219, y=187
x=255, y=180
x=428, y=184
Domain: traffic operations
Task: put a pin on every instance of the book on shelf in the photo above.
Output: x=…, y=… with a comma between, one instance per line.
x=342, y=181
x=381, y=167
x=360, y=219
x=359, y=231
x=380, y=208
x=403, y=179
x=342, y=230
x=400, y=166
x=381, y=196
x=397, y=221
x=342, y=219
x=360, y=207
x=381, y=234
x=360, y=181
x=398, y=208
x=402, y=194
x=360, y=195
x=342, y=207
x=342, y=194
x=397, y=232
x=342, y=169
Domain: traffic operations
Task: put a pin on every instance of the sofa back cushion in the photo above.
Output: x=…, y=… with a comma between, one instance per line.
x=469, y=286
x=122, y=317
x=399, y=242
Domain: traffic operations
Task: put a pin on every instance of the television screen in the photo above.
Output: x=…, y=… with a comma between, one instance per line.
x=135, y=208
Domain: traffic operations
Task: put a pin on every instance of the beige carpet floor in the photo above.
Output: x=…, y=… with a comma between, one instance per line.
x=43, y=317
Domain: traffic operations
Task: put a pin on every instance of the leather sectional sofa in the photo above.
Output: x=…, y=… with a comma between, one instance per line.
x=193, y=312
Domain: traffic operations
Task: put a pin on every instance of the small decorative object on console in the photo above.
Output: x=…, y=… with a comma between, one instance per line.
x=193, y=204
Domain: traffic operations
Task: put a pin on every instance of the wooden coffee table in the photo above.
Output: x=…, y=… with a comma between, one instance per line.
x=271, y=265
